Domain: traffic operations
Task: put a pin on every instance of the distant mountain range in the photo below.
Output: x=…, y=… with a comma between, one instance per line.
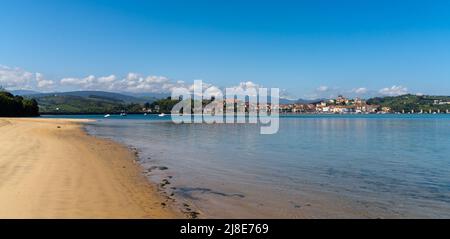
x=147, y=95
x=23, y=92
x=299, y=101
x=92, y=94
x=129, y=97
x=122, y=96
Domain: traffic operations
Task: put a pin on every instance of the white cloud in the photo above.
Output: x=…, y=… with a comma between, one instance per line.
x=42, y=82
x=332, y=92
x=323, y=92
x=286, y=95
x=323, y=88
x=17, y=78
x=45, y=84
x=360, y=91
x=133, y=82
x=212, y=91
x=209, y=90
x=136, y=83
x=247, y=87
x=85, y=83
x=393, y=91
x=107, y=79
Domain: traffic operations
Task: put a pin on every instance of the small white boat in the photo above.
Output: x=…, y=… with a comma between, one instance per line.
x=107, y=116
x=123, y=114
x=145, y=114
x=162, y=115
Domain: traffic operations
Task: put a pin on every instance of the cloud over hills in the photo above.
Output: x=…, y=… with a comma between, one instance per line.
x=17, y=78
x=14, y=77
x=393, y=91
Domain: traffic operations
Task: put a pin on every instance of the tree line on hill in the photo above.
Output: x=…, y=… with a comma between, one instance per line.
x=414, y=103
x=17, y=106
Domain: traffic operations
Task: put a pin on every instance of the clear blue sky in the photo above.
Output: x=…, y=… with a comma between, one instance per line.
x=296, y=45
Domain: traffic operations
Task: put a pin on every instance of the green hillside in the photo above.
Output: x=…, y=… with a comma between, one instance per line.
x=60, y=104
x=17, y=106
x=413, y=102
x=89, y=94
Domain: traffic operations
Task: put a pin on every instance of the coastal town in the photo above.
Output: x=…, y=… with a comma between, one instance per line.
x=343, y=105
x=340, y=105
x=406, y=104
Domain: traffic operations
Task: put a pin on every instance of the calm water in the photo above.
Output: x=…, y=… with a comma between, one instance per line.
x=368, y=166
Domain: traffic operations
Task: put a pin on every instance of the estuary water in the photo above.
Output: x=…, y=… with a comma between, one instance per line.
x=316, y=166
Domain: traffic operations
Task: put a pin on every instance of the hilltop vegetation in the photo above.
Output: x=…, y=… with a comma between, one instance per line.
x=17, y=106
x=100, y=103
x=69, y=104
x=164, y=105
x=413, y=102
x=89, y=102
x=90, y=94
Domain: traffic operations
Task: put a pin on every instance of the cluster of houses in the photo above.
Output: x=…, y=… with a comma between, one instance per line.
x=340, y=105
x=237, y=105
x=343, y=105
x=441, y=102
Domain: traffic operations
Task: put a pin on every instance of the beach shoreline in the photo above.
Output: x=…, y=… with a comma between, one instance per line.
x=51, y=168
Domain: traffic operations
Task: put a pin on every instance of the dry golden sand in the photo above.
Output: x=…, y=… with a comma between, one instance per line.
x=51, y=168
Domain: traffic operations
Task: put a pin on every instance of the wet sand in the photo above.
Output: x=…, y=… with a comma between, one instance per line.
x=50, y=168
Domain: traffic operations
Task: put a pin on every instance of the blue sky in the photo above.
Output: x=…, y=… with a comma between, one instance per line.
x=310, y=48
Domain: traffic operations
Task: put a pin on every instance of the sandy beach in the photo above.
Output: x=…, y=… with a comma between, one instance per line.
x=51, y=168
